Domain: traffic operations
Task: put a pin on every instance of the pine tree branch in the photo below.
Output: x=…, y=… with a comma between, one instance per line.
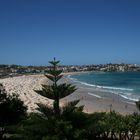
x=47, y=91
x=47, y=111
x=54, y=63
x=65, y=90
x=54, y=72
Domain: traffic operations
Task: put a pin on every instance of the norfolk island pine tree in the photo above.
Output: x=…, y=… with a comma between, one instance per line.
x=69, y=116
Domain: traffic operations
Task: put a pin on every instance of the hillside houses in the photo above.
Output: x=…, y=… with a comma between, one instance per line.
x=12, y=70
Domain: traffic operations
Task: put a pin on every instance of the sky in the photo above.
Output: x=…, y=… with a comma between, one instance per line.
x=77, y=32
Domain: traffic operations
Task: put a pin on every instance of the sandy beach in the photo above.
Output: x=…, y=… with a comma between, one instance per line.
x=95, y=100
x=92, y=99
x=24, y=86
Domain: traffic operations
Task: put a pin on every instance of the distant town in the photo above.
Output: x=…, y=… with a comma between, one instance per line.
x=13, y=70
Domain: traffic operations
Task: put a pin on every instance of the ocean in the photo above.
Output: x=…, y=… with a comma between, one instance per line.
x=124, y=84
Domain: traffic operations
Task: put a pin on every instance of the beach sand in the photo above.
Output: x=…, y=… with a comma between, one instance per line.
x=95, y=100
x=24, y=86
x=92, y=99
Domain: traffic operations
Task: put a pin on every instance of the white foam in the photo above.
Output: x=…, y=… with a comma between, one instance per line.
x=123, y=92
x=94, y=95
x=73, y=79
x=106, y=87
x=128, y=98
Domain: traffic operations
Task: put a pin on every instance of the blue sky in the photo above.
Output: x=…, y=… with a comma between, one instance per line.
x=32, y=32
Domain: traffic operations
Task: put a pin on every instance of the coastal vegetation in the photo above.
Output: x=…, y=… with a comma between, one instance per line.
x=62, y=122
x=12, y=111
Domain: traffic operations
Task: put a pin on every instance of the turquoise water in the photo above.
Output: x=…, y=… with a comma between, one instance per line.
x=126, y=84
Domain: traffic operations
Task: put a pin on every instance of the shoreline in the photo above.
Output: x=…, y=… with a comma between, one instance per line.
x=100, y=88
x=93, y=99
x=96, y=100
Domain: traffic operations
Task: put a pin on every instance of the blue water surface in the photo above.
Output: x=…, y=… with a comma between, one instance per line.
x=127, y=84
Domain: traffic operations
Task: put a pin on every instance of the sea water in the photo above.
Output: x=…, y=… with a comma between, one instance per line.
x=125, y=84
